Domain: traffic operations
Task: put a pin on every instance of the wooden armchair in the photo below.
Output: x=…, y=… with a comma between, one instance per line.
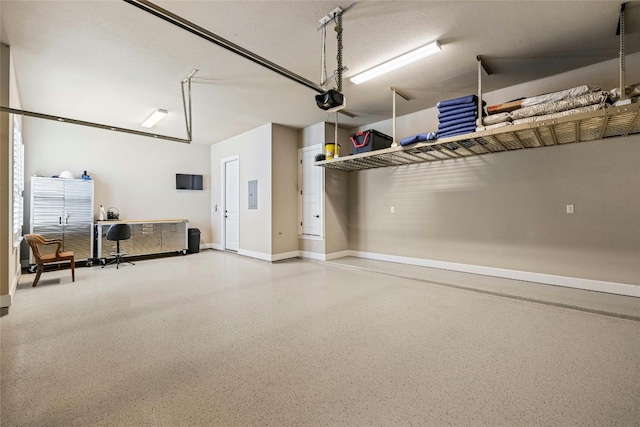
x=36, y=240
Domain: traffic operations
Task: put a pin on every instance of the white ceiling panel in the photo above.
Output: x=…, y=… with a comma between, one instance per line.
x=112, y=63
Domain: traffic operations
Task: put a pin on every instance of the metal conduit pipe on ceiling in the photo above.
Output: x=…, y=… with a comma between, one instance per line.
x=91, y=124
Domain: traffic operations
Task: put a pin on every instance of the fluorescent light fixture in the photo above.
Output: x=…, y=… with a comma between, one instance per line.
x=400, y=61
x=154, y=118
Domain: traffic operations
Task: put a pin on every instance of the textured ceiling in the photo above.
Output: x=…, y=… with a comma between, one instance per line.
x=112, y=63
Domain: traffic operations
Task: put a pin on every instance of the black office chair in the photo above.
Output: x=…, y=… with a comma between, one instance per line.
x=116, y=233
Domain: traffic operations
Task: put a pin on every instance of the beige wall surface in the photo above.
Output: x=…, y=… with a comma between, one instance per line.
x=336, y=193
x=254, y=151
x=312, y=135
x=284, y=193
x=336, y=211
x=134, y=174
x=508, y=210
x=336, y=202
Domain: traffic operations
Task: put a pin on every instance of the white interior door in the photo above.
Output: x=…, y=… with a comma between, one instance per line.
x=311, y=190
x=231, y=205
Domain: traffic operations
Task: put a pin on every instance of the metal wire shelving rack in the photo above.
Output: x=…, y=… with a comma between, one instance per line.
x=589, y=126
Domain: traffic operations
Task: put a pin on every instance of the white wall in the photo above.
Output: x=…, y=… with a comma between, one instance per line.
x=254, y=151
x=134, y=174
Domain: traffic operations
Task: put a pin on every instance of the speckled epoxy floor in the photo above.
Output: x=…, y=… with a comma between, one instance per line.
x=219, y=339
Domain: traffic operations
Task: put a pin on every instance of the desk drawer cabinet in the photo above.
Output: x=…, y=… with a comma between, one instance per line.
x=174, y=236
x=147, y=238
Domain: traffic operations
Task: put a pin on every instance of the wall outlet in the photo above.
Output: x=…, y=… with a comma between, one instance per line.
x=392, y=209
x=570, y=209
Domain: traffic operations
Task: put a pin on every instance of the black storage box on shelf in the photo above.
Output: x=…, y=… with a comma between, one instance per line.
x=370, y=140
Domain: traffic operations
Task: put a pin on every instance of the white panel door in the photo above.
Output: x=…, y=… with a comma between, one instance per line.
x=311, y=192
x=231, y=205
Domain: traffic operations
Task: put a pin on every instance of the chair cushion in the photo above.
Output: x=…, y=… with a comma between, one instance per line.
x=64, y=256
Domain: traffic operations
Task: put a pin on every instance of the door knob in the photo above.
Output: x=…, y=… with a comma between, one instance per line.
x=317, y=216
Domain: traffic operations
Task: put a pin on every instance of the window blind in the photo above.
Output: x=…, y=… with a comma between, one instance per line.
x=18, y=181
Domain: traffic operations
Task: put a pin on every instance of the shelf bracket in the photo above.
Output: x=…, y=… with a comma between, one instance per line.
x=480, y=67
x=465, y=148
x=623, y=91
x=635, y=118
x=516, y=138
x=406, y=97
x=483, y=146
x=553, y=135
x=496, y=141
x=537, y=135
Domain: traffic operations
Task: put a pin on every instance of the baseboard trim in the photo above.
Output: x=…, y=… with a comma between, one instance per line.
x=325, y=257
x=269, y=257
x=527, y=276
x=336, y=255
x=285, y=255
x=295, y=254
x=313, y=255
x=254, y=254
x=211, y=246
x=259, y=255
x=6, y=300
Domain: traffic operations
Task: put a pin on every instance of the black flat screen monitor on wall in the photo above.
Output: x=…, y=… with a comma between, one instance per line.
x=188, y=182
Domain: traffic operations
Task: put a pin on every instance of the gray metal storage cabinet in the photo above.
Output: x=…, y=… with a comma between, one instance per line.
x=148, y=237
x=63, y=209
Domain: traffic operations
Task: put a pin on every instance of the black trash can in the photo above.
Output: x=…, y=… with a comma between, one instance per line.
x=194, y=240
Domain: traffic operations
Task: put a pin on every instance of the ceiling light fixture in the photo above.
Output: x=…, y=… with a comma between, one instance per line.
x=400, y=61
x=154, y=118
